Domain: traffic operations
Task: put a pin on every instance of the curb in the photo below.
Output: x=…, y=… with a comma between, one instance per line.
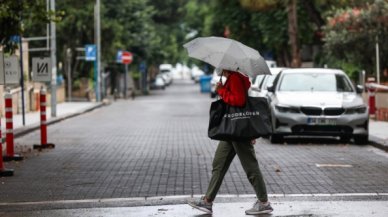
x=180, y=199
x=378, y=143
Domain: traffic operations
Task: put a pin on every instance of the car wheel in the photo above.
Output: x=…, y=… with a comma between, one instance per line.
x=276, y=138
x=360, y=139
x=345, y=139
x=266, y=136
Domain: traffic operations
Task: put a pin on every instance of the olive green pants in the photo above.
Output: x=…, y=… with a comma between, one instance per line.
x=223, y=158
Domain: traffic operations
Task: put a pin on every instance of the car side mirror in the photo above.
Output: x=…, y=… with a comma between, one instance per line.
x=271, y=88
x=359, y=89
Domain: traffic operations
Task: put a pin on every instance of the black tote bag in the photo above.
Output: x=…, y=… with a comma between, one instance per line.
x=232, y=123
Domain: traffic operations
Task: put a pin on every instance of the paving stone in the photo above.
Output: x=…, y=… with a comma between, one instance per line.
x=158, y=145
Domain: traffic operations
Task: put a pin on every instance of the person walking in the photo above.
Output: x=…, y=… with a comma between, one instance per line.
x=234, y=93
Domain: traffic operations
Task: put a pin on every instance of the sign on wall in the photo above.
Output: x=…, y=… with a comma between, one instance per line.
x=12, y=70
x=41, y=69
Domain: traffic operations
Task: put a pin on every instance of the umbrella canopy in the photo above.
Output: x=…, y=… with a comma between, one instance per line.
x=227, y=54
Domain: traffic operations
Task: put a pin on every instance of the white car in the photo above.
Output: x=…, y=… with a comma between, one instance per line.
x=159, y=83
x=317, y=102
x=196, y=73
x=261, y=82
x=166, y=71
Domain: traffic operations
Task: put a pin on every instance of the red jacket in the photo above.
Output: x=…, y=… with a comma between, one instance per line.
x=235, y=90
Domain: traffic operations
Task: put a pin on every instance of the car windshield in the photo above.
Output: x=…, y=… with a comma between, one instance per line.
x=315, y=82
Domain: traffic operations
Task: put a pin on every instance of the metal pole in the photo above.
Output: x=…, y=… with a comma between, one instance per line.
x=98, y=44
x=126, y=81
x=377, y=60
x=47, y=27
x=95, y=79
x=53, y=64
x=22, y=79
x=68, y=52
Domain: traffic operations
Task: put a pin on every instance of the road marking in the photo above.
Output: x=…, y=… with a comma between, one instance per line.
x=334, y=165
x=354, y=194
x=180, y=197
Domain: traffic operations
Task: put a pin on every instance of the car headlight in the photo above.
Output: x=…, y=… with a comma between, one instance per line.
x=287, y=109
x=356, y=110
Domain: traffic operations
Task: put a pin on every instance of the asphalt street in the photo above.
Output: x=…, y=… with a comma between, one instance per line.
x=157, y=146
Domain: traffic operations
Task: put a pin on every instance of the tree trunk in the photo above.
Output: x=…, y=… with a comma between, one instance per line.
x=293, y=33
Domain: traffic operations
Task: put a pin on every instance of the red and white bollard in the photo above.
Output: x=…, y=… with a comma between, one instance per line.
x=43, y=124
x=372, y=100
x=10, y=153
x=3, y=170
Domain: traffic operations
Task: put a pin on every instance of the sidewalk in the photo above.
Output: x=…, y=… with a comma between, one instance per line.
x=378, y=134
x=225, y=205
x=32, y=119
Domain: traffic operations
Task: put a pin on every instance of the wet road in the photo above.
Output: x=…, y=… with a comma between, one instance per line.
x=157, y=145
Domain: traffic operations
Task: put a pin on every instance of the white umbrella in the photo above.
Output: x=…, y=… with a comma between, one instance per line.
x=227, y=54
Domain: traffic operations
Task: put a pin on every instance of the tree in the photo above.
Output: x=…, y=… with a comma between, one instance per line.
x=306, y=30
x=291, y=6
x=350, y=36
x=168, y=30
x=293, y=33
x=12, y=14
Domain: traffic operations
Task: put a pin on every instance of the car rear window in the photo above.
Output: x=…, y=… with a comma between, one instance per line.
x=315, y=82
x=269, y=81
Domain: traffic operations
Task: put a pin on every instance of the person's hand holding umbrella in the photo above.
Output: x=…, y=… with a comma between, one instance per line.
x=218, y=86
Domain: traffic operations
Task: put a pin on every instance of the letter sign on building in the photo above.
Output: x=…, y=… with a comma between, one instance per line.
x=41, y=69
x=12, y=70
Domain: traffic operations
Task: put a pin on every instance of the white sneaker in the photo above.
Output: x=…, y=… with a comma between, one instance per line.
x=259, y=208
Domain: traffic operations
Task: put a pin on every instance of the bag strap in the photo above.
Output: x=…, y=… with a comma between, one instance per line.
x=246, y=91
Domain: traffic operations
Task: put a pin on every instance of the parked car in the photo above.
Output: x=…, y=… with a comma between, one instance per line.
x=213, y=82
x=261, y=82
x=159, y=82
x=166, y=72
x=196, y=73
x=317, y=102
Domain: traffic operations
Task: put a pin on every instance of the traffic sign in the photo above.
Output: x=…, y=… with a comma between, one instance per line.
x=119, y=56
x=12, y=70
x=1, y=68
x=126, y=57
x=90, y=52
x=15, y=38
x=41, y=69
